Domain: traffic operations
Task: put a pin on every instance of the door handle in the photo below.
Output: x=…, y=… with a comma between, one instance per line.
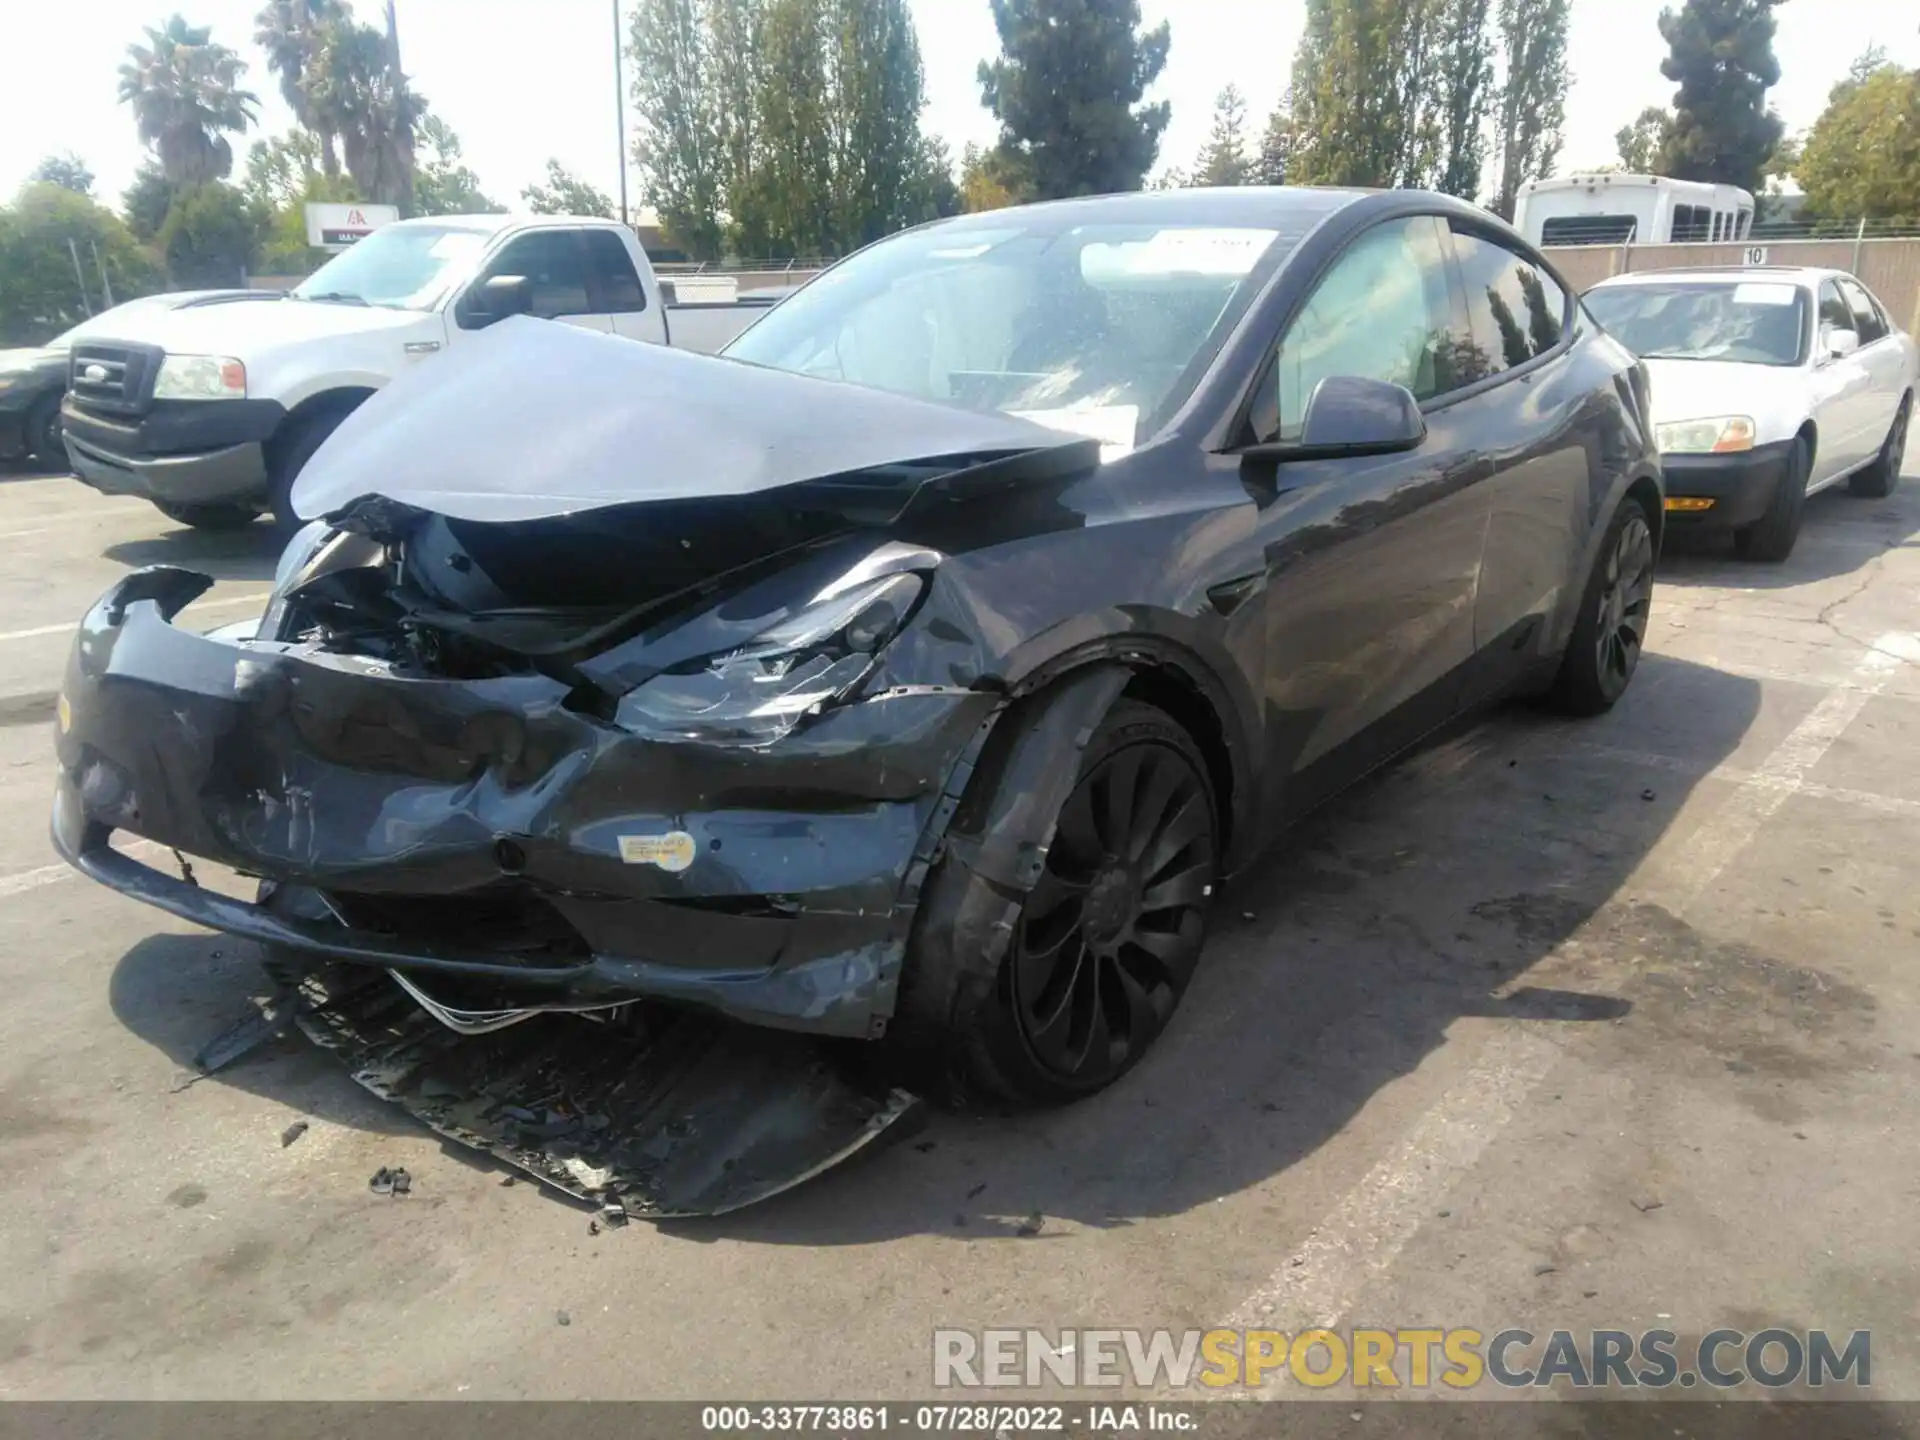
x=1229, y=595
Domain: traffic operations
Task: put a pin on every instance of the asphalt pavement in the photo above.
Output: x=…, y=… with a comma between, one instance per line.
x=1610, y=1024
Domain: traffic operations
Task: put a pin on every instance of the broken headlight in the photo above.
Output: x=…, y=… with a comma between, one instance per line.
x=756, y=694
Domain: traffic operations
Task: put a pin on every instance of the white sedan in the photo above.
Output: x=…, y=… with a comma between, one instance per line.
x=1768, y=385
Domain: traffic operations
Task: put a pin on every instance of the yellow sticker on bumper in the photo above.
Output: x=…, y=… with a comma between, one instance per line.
x=672, y=851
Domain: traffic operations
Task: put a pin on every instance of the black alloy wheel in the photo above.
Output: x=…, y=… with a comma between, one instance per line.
x=1626, y=597
x=1111, y=932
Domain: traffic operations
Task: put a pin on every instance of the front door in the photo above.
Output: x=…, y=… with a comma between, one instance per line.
x=1373, y=563
x=555, y=263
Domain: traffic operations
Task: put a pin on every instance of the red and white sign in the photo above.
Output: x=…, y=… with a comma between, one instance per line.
x=340, y=227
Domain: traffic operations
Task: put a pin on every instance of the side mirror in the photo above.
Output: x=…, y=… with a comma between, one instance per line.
x=1842, y=343
x=500, y=296
x=1350, y=416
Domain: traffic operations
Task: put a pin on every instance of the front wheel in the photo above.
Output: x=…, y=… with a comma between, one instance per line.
x=1611, y=630
x=45, y=434
x=1084, y=970
x=1771, y=538
x=287, y=457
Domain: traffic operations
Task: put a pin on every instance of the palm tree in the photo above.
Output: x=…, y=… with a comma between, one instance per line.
x=186, y=96
x=292, y=32
x=360, y=94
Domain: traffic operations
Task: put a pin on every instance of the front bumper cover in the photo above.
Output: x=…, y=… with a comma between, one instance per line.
x=435, y=815
x=1741, y=486
x=185, y=452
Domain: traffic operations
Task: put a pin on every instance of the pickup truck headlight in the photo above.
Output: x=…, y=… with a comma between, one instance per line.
x=200, y=377
x=758, y=693
x=1722, y=435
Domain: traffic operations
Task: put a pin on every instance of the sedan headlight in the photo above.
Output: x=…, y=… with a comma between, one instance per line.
x=758, y=693
x=1722, y=435
x=200, y=377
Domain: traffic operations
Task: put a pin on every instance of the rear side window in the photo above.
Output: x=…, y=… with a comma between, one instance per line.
x=1384, y=311
x=611, y=278
x=1866, y=316
x=1517, y=309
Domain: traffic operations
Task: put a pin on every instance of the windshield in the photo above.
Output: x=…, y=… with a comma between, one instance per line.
x=1089, y=329
x=1754, y=322
x=404, y=267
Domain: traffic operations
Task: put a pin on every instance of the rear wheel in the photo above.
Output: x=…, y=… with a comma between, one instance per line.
x=45, y=432
x=1772, y=536
x=1094, y=958
x=208, y=517
x=1876, y=482
x=1604, y=650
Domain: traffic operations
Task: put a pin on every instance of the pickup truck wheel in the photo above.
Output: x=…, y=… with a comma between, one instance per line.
x=44, y=432
x=1876, y=482
x=208, y=517
x=287, y=456
x=1042, y=998
x=1771, y=537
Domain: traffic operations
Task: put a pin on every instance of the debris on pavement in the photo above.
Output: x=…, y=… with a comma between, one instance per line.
x=561, y=1317
x=1649, y=1203
x=390, y=1182
x=274, y=1017
x=1030, y=1226
x=293, y=1132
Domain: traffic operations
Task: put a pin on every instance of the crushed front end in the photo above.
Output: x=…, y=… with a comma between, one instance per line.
x=555, y=764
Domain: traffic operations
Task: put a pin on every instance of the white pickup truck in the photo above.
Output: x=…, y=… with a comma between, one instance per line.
x=211, y=413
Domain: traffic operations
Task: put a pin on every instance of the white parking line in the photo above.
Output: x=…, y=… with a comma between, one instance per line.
x=67, y=627
x=1366, y=1231
x=22, y=881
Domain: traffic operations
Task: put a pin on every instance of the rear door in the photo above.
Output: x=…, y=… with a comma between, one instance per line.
x=1843, y=406
x=1373, y=562
x=1886, y=364
x=555, y=261
x=1540, y=425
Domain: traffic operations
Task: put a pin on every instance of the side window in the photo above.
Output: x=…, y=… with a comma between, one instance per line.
x=1834, y=314
x=1866, y=318
x=551, y=260
x=1384, y=311
x=1518, y=311
x=610, y=275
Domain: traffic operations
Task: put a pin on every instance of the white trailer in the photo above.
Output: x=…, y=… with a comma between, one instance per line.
x=1631, y=209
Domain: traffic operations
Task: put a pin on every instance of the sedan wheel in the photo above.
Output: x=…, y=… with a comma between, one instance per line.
x=1877, y=481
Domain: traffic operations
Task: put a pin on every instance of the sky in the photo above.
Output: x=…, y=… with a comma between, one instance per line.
x=525, y=80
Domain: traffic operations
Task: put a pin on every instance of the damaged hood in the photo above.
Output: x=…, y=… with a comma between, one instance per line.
x=532, y=419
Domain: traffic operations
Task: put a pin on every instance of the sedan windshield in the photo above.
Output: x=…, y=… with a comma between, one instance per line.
x=402, y=268
x=1753, y=322
x=1090, y=329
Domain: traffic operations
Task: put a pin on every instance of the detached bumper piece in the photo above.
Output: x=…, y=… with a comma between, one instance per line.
x=666, y=1113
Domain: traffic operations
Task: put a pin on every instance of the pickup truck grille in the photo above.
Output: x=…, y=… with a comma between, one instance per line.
x=113, y=379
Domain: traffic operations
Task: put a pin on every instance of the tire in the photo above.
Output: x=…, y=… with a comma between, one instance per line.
x=1611, y=629
x=1878, y=480
x=1771, y=537
x=287, y=456
x=44, y=432
x=1018, y=1000
x=208, y=517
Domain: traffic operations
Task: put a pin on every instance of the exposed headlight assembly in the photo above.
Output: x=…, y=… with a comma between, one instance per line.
x=1722, y=435
x=200, y=377
x=758, y=693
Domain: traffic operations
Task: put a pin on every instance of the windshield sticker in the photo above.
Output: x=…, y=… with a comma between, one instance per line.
x=456, y=245
x=1230, y=253
x=672, y=852
x=1752, y=294
x=1114, y=426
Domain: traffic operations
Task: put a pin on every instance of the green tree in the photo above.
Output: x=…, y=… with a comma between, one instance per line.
x=1224, y=160
x=733, y=53
x=1274, y=164
x=211, y=237
x=40, y=295
x=989, y=179
x=282, y=176
x=1862, y=157
x=357, y=91
x=1363, y=81
x=1533, y=99
x=1641, y=143
x=293, y=34
x=1464, y=79
x=1721, y=56
x=442, y=184
x=932, y=193
x=876, y=91
x=186, y=99
x=566, y=194
x=795, y=191
x=1068, y=88
x=68, y=171
x=678, y=141
x=145, y=202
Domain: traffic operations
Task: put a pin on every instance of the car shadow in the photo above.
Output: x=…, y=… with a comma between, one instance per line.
x=249, y=553
x=1335, y=967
